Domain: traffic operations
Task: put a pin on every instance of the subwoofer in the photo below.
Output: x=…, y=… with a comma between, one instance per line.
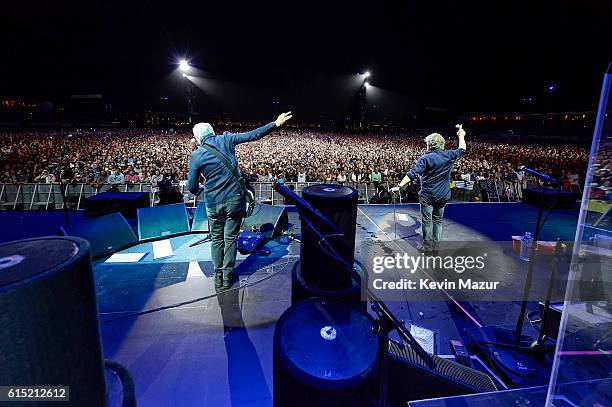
x=339, y=204
x=50, y=331
x=325, y=354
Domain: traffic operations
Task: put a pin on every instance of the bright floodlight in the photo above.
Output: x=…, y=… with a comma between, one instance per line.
x=367, y=85
x=184, y=65
x=367, y=74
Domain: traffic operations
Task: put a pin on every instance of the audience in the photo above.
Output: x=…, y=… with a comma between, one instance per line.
x=120, y=156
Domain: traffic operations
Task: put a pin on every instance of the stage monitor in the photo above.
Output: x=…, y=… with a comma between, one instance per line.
x=200, y=219
x=162, y=221
x=270, y=220
x=106, y=234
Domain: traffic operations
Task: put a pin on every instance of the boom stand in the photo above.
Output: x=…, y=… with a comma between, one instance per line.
x=538, y=345
x=529, y=279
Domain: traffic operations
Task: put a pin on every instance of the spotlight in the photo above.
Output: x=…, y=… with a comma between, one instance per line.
x=367, y=85
x=367, y=74
x=184, y=65
x=184, y=75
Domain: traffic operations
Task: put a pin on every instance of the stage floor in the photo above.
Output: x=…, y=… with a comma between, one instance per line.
x=218, y=351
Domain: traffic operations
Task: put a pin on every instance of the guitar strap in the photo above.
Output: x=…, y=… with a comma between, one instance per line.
x=225, y=161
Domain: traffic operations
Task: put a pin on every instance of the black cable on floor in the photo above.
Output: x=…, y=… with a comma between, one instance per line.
x=180, y=304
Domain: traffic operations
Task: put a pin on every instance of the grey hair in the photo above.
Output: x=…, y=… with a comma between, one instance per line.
x=434, y=140
x=201, y=130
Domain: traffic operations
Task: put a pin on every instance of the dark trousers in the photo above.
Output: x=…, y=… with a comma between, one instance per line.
x=431, y=219
x=224, y=222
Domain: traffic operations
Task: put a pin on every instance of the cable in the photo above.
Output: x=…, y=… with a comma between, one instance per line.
x=176, y=305
x=395, y=240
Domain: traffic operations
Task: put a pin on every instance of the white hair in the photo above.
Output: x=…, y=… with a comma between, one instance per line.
x=434, y=140
x=201, y=130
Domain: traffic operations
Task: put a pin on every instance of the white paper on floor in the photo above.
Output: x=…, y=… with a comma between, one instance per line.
x=162, y=248
x=403, y=216
x=125, y=258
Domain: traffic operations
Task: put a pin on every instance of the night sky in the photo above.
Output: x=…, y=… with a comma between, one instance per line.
x=463, y=57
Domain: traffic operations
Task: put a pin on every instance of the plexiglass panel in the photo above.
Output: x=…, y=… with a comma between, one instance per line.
x=583, y=358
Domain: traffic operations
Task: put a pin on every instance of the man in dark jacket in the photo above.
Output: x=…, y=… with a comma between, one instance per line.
x=434, y=168
x=225, y=199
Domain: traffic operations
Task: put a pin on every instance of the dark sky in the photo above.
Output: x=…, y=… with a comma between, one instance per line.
x=464, y=56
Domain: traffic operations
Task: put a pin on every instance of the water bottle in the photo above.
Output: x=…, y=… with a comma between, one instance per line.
x=526, y=241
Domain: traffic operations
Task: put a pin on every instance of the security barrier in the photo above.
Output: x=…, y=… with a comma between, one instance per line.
x=39, y=196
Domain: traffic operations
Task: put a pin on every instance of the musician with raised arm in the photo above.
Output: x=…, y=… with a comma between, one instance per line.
x=434, y=168
x=215, y=159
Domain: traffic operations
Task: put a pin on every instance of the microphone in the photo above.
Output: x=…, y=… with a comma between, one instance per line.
x=544, y=177
x=304, y=206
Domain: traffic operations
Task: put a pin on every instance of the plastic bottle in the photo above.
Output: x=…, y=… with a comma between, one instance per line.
x=526, y=241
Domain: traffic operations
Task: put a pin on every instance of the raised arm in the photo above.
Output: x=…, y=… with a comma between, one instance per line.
x=461, y=135
x=260, y=132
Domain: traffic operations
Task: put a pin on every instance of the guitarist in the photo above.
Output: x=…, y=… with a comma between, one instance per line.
x=226, y=193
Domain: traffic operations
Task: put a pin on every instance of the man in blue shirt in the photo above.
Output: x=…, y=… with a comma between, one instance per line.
x=225, y=198
x=116, y=177
x=434, y=168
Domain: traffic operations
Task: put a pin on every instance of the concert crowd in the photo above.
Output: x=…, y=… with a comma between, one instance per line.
x=120, y=156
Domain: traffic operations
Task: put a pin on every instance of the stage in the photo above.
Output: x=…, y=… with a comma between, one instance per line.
x=217, y=351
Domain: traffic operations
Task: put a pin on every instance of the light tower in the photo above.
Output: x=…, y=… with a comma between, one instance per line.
x=362, y=99
x=184, y=67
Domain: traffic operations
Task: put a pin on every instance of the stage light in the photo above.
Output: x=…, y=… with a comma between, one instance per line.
x=367, y=74
x=184, y=65
x=367, y=85
x=184, y=75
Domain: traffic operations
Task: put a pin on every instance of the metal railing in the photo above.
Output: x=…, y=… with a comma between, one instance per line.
x=39, y=196
x=26, y=196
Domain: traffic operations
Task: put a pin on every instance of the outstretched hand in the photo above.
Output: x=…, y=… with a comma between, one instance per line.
x=282, y=118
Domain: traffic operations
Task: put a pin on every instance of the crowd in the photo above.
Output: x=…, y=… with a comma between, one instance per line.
x=128, y=156
x=601, y=187
x=96, y=156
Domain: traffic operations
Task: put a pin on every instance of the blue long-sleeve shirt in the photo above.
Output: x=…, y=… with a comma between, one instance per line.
x=220, y=183
x=435, y=169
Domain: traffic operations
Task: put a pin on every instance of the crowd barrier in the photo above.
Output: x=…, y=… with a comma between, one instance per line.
x=39, y=196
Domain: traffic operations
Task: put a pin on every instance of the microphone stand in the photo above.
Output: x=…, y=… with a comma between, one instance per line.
x=529, y=278
x=538, y=345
